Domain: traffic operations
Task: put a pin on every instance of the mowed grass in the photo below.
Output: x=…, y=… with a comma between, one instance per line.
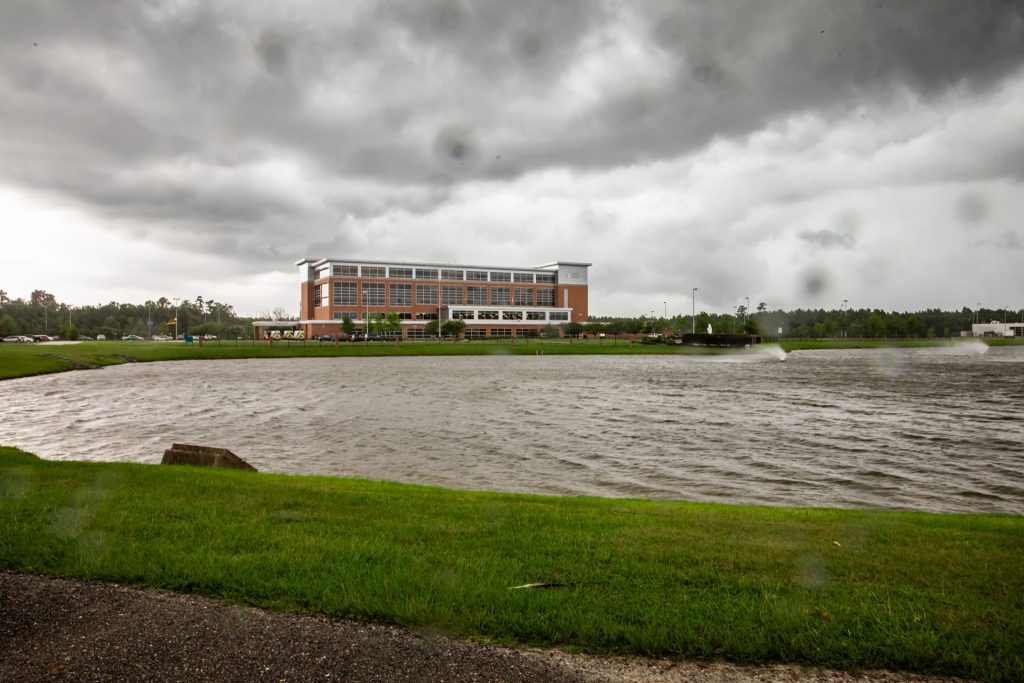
x=22, y=360
x=847, y=589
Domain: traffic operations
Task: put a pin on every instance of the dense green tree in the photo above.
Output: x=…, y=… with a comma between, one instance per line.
x=453, y=328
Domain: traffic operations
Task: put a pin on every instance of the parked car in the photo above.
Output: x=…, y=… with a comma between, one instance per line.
x=41, y=337
x=85, y=337
x=161, y=337
x=14, y=339
x=101, y=337
x=325, y=337
x=132, y=337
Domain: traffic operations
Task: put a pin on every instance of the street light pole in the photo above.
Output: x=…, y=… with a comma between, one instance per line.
x=177, y=310
x=666, y=309
x=693, y=312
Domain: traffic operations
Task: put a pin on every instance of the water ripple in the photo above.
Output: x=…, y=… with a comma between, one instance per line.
x=913, y=429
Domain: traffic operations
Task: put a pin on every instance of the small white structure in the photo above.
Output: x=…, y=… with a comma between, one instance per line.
x=997, y=329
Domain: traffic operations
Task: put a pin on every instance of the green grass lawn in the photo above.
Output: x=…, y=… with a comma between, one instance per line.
x=848, y=589
x=21, y=360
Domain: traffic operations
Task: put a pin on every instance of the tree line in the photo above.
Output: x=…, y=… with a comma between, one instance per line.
x=814, y=323
x=41, y=313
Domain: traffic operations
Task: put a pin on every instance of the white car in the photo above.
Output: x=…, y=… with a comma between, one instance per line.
x=18, y=339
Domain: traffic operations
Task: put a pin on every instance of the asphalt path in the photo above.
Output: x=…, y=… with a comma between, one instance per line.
x=55, y=629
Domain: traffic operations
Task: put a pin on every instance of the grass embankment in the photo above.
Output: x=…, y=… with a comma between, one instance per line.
x=22, y=360
x=840, y=588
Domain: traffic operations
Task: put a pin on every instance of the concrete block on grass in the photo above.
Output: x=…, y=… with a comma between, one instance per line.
x=203, y=456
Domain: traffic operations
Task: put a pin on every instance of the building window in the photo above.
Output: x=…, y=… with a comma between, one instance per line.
x=453, y=294
x=401, y=272
x=535, y=315
x=373, y=293
x=546, y=278
x=502, y=332
x=545, y=297
x=476, y=275
x=486, y=315
x=426, y=294
x=558, y=315
x=346, y=271
x=511, y=315
x=374, y=271
x=526, y=331
x=405, y=316
x=346, y=294
x=426, y=316
x=500, y=276
x=416, y=333
x=523, y=277
x=340, y=315
x=501, y=296
x=476, y=296
x=524, y=296
x=318, y=296
x=401, y=295
x=462, y=315
x=426, y=273
x=475, y=333
x=451, y=274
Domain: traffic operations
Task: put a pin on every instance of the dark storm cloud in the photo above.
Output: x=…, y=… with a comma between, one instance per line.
x=163, y=113
x=828, y=239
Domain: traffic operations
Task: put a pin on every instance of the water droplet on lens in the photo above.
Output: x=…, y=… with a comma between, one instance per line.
x=815, y=282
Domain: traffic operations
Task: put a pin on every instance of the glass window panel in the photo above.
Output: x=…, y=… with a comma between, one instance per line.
x=426, y=294
x=401, y=295
x=453, y=294
x=501, y=296
x=346, y=294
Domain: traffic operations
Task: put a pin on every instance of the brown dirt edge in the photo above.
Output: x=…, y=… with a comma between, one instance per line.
x=55, y=629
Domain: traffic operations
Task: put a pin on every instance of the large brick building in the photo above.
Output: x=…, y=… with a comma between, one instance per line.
x=493, y=301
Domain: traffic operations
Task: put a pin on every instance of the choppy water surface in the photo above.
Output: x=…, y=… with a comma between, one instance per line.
x=932, y=429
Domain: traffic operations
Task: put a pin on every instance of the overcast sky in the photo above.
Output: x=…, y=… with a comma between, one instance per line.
x=797, y=153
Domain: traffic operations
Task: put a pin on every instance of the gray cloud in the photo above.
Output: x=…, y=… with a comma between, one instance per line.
x=276, y=132
x=828, y=239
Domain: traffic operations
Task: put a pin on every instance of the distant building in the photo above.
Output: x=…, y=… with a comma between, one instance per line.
x=493, y=301
x=997, y=329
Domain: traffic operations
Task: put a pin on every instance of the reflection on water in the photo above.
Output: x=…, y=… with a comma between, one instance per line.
x=934, y=429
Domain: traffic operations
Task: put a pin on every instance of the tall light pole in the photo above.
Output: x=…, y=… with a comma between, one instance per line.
x=844, y=318
x=746, y=310
x=666, y=309
x=177, y=310
x=693, y=312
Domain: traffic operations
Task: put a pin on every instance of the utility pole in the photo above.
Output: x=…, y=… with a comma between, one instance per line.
x=693, y=312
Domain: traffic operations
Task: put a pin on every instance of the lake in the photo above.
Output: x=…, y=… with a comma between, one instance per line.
x=936, y=429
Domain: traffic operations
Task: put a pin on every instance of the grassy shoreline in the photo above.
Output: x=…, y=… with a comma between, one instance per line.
x=844, y=589
x=23, y=360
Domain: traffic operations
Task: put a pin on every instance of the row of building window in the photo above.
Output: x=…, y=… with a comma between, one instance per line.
x=500, y=332
x=553, y=316
x=394, y=272
x=354, y=315
x=347, y=294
